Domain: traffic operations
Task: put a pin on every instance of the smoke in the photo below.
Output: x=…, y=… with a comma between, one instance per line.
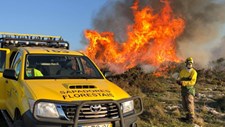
x=203, y=31
x=204, y=20
x=147, y=68
x=114, y=17
x=219, y=52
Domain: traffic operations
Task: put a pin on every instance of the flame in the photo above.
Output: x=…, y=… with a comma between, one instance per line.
x=150, y=40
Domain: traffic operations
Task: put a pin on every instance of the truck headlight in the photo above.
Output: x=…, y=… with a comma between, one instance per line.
x=128, y=106
x=45, y=109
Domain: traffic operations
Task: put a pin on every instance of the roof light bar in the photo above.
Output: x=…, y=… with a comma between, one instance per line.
x=16, y=39
x=27, y=35
x=36, y=37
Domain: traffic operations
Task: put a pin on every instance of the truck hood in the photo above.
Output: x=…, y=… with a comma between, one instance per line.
x=73, y=90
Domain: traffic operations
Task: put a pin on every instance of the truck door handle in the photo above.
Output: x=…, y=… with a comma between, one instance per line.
x=6, y=81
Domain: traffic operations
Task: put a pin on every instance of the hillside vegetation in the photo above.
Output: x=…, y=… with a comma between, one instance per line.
x=161, y=95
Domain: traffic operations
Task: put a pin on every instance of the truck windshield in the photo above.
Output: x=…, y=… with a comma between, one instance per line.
x=60, y=67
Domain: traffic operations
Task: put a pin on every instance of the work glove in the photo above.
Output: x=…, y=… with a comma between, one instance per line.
x=183, y=84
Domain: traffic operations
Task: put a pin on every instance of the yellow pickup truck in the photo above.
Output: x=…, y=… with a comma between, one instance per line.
x=44, y=84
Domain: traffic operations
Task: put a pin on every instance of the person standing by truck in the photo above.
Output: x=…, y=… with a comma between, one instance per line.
x=187, y=80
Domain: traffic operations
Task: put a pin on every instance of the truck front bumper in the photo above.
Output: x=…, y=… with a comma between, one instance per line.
x=123, y=120
x=30, y=121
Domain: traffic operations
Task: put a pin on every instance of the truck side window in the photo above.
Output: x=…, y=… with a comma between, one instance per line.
x=15, y=60
x=11, y=58
x=2, y=60
x=17, y=67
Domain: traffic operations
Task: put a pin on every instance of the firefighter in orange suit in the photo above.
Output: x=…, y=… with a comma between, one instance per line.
x=187, y=79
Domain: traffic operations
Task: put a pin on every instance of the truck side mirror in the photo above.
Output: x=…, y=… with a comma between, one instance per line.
x=10, y=74
x=107, y=73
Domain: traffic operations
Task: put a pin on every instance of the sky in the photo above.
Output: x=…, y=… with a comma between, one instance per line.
x=66, y=18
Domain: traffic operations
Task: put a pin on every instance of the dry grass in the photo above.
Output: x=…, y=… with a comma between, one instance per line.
x=199, y=121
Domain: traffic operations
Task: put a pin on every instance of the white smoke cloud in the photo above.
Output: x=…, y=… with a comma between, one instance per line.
x=147, y=68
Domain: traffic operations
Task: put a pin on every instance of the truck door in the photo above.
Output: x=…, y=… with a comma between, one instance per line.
x=4, y=53
x=13, y=87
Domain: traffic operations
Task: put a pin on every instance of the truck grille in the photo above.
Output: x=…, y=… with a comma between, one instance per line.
x=92, y=111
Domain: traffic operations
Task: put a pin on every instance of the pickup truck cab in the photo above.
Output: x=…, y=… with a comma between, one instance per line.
x=43, y=84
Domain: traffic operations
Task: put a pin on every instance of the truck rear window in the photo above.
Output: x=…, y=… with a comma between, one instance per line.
x=60, y=67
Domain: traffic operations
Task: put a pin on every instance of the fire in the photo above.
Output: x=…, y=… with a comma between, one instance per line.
x=150, y=40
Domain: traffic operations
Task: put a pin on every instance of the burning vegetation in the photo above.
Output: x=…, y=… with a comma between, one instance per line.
x=150, y=40
x=155, y=32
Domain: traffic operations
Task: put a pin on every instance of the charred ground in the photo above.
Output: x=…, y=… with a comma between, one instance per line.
x=161, y=95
